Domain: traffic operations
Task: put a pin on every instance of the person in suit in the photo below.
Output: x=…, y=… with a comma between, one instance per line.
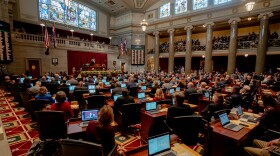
x=101, y=131
x=166, y=84
x=156, y=85
x=117, y=90
x=190, y=90
x=218, y=104
x=62, y=105
x=43, y=95
x=72, y=81
x=235, y=99
x=124, y=99
x=178, y=110
x=80, y=86
x=97, y=91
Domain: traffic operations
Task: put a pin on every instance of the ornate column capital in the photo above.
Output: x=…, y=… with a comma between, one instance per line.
x=265, y=15
x=188, y=27
x=171, y=30
x=234, y=20
x=209, y=24
x=156, y=33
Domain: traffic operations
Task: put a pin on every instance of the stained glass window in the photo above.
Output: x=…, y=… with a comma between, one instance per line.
x=221, y=1
x=75, y=14
x=180, y=6
x=165, y=10
x=72, y=14
x=199, y=4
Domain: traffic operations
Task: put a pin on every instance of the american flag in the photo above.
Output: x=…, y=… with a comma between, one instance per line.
x=47, y=43
x=54, y=36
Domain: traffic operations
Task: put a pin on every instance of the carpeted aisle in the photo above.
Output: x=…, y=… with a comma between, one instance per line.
x=19, y=130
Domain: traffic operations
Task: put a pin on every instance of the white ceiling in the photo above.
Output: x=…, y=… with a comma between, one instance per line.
x=117, y=6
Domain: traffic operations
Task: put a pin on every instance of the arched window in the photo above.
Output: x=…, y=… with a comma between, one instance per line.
x=199, y=4
x=164, y=10
x=181, y=6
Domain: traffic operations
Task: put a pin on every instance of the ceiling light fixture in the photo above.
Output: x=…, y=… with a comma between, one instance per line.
x=246, y=55
x=72, y=30
x=91, y=34
x=42, y=24
x=250, y=5
x=249, y=18
x=203, y=56
x=144, y=24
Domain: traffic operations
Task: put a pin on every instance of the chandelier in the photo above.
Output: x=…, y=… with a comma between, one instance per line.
x=144, y=24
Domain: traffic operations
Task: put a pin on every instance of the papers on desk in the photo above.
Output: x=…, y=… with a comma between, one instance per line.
x=181, y=151
x=163, y=110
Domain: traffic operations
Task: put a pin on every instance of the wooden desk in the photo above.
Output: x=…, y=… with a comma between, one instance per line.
x=182, y=150
x=193, y=106
x=227, y=142
x=75, y=128
x=148, y=120
x=107, y=94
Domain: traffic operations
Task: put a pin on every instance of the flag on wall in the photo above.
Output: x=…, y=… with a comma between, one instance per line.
x=54, y=36
x=47, y=43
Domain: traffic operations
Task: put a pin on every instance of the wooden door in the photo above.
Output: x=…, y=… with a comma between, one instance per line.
x=34, y=68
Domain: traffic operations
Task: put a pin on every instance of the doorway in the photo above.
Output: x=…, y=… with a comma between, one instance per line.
x=34, y=67
x=122, y=67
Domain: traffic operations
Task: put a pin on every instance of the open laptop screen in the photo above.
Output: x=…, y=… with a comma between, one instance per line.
x=143, y=87
x=88, y=115
x=151, y=106
x=72, y=87
x=171, y=91
x=116, y=97
x=239, y=110
x=90, y=87
x=141, y=95
x=177, y=89
x=158, y=144
x=206, y=94
x=224, y=118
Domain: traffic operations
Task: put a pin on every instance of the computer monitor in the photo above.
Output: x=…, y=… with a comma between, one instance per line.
x=91, y=87
x=21, y=80
x=139, y=81
x=143, y=87
x=104, y=80
x=88, y=115
x=125, y=80
x=30, y=77
x=107, y=83
x=92, y=91
x=141, y=95
x=151, y=106
x=177, y=89
x=158, y=144
x=58, y=82
x=31, y=84
x=239, y=110
x=171, y=91
x=207, y=94
x=123, y=85
x=116, y=97
x=71, y=87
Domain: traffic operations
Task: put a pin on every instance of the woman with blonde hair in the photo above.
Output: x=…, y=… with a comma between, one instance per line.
x=159, y=95
x=101, y=131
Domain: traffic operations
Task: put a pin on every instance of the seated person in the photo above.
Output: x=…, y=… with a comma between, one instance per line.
x=72, y=81
x=62, y=105
x=117, y=90
x=43, y=95
x=261, y=148
x=190, y=90
x=155, y=87
x=159, y=95
x=101, y=131
x=178, y=110
x=35, y=89
x=80, y=86
x=124, y=99
x=218, y=104
x=235, y=99
x=202, y=87
x=166, y=84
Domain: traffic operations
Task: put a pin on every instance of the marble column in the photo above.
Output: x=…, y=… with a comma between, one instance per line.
x=209, y=47
x=156, y=55
x=171, y=50
x=188, y=55
x=262, y=44
x=232, y=44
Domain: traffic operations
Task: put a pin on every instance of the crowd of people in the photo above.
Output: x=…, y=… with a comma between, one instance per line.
x=248, y=94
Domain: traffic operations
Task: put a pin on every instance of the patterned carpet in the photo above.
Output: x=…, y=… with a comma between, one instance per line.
x=21, y=132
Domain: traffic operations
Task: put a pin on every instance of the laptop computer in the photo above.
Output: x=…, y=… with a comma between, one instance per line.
x=107, y=83
x=91, y=91
x=171, y=91
x=88, y=115
x=116, y=97
x=123, y=85
x=90, y=87
x=226, y=123
x=104, y=80
x=21, y=80
x=143, y=87
x=30, y=77
x=151, y=107
x=159, y=145
x=71, y=87
x=207, y=95
x=178, y=89
x=245, y=117
x=141, y=96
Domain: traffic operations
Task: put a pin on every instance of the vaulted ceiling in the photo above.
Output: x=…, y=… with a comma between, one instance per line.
x=118, y=6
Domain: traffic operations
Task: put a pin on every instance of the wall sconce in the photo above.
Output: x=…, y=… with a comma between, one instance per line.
x=144, y=24
x=203, y=56
x=246, y=55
